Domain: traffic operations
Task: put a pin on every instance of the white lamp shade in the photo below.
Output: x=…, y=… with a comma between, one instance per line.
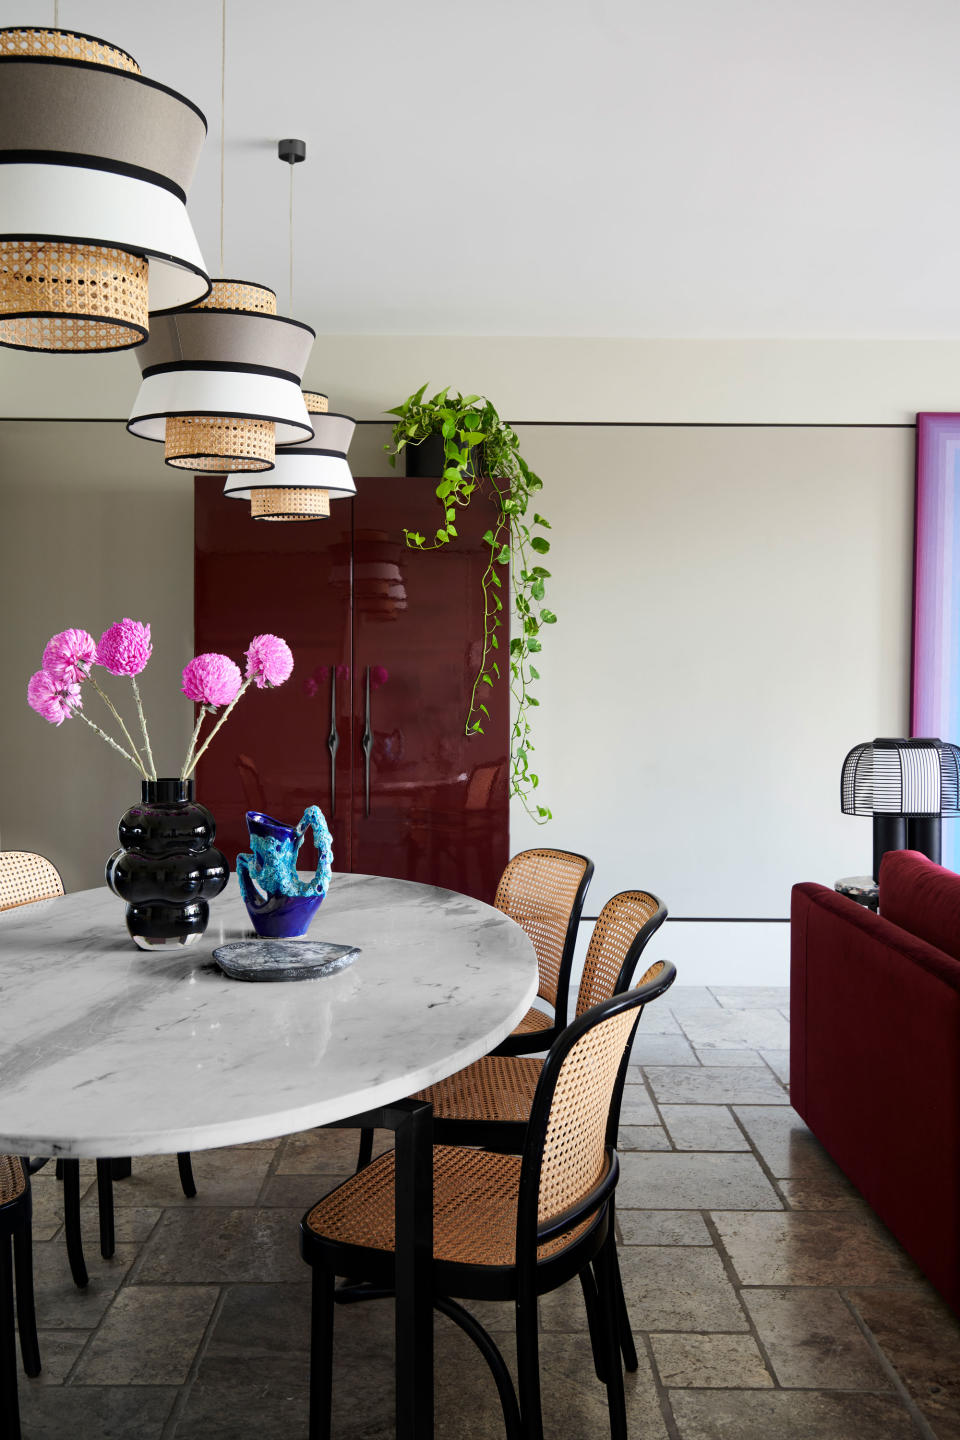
x=244, y=394
x=316, y=464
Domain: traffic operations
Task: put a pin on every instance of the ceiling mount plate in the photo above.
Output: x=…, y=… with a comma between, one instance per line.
x=292, y=151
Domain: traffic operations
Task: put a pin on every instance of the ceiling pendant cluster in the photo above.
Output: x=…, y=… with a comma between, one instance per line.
x=95, y=163
x=98, y=254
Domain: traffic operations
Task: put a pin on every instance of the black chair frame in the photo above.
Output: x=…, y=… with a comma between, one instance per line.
x=16, y=1236
x=592, y=1256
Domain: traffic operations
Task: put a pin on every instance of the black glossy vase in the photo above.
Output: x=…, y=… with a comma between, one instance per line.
x=167, y=868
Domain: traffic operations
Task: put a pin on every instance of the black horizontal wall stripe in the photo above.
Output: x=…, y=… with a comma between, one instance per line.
x=581, y=424
x=716, y=919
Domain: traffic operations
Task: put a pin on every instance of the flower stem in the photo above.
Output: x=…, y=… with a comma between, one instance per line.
x=109, y=739
x=196, y=758
x=185, y=770
x=143, y=727
x=119, y=719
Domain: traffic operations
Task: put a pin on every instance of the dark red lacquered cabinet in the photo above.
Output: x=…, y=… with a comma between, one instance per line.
x=370, y=726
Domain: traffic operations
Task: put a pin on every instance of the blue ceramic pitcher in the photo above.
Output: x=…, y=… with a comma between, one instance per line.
x=279, y=903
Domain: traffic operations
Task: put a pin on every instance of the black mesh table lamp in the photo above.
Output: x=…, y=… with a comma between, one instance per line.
x=907, y=786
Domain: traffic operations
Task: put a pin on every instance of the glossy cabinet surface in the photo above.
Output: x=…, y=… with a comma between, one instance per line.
x=370, y=725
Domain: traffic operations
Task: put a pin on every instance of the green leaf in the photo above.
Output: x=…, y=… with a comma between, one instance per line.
x=539, y=573
x=441, y=537
x=548, y=617
x=536, y=590
x=486, y=680
x=452, y=473
x=469, y=399
x=448, y=429
x=495, y=645
x=488, y=537
x=485, y=710
x=533, y=644
x=495, y=579
x=532, y=700
x=539, y=520
x=451, y=531
x=540, y=545
x=534, y=673
x=496, y=667
x=516, y=645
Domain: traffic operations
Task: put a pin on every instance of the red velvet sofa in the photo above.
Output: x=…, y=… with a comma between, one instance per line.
x=875, y=1049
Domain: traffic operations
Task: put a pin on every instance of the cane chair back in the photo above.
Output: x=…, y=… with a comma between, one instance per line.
x=26, y=878
x=13, y=1178
x=544, y=891
x=622, y=929
x=566, y=1156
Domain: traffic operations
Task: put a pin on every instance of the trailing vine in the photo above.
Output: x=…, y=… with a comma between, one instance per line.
x=481, y=450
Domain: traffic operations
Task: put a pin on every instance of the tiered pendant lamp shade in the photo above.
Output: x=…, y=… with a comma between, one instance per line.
x=221, y=381
x=95, y=163
x=305, y=477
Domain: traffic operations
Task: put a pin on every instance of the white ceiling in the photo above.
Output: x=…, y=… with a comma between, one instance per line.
x=622, y=168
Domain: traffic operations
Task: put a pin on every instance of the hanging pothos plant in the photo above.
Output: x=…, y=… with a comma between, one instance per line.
x=481, y=450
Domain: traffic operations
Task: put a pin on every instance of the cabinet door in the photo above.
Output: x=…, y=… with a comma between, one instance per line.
x=275, y=753
x=430, y=804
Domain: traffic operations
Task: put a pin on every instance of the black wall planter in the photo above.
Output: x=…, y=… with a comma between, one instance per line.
x=167, y=868
x=426, y=461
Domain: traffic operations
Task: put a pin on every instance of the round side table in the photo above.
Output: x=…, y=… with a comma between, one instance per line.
x=861, y=888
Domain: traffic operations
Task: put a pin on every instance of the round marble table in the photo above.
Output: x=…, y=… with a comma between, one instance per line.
x=107, y=1050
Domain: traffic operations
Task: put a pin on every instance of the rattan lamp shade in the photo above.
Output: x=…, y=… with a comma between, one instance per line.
x=305, y=477
x=95, y=163
x=907, y=786
x=221, y=381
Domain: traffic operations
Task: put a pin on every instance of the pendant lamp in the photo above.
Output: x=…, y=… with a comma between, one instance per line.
x=221, y=381
x=305, y=477
x=95, y=163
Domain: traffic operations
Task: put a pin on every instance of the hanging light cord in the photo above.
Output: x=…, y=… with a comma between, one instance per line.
x=56, y=14
x=292, y=168
x=223, y=112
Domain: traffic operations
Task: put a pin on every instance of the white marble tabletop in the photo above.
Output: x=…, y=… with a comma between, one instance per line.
x=110, y=1050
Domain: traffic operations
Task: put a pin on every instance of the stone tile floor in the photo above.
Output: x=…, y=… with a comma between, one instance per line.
x=766, y=1299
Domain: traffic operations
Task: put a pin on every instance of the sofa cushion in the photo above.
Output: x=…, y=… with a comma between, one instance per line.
x=921, y=898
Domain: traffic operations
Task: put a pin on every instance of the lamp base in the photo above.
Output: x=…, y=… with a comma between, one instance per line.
x=923, y=834
x=889, y=833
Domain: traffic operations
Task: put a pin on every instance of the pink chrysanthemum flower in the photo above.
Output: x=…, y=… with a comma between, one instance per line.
x=125, y=648
x=269, y=661
x=55, y=700
x=69, y=655
x=212, y=680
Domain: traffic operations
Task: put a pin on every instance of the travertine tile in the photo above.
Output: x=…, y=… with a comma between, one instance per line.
x=713, y=1362
x=661, y=1050
x=643, y=1137
x=149, y=1336
x=715, y=1085
x=702, y=1127
x=269, y=1410
x=785, y=1143
x=60, y=1305
x=666, y=1287
x=299, y=1192
x=803, y=1247
x=59, y=1351
x=694, y=1181
x=132, y=1224
x=326, y=1152
x=779, y=1062
x=920, y=1336
x=637, y=1107
x=218, y=1246
x=821, y=1193
x=223, y=1177
x=751, y=997
x=813, y=1340
x=682, y=999
x=107, y=1412
x=788, y=1415
x=732, y=1029
x=662, y=1227
x=264, y=1329
x=728, y=1057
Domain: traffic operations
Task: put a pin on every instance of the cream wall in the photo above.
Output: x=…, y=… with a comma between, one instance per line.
x=725, y=594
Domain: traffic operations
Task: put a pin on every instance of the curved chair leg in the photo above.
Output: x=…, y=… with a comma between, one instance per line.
x=321, y=1354
x=105, y=1207
x=528, y=1367
x=498, y=1367
x=589, y=1287
x=605, y=1265
x=185, y=1167
x=26, y=1305
x=9, y=1408
x=366, y=1149
x=624, y=1328
x=70, y=1170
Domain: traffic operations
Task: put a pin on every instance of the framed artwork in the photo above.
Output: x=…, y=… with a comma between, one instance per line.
x=935, y=694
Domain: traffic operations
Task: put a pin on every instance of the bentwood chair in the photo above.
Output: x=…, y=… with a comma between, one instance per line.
x=26, y=878
x=15, y=1235
x=489, y=1103
x=506, y=1227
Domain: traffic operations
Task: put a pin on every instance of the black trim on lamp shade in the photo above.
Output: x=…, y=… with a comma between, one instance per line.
x=185, y=462
x=61, y=30
x=242, y=314
x=234, y=367
x=101, y=244
x=71, y=159
x=87, y=319
x=206, y=415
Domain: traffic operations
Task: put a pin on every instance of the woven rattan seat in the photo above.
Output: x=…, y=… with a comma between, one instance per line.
x=474, y=1208
x=534, y=1020
x=25, y=878
x=13, y=1180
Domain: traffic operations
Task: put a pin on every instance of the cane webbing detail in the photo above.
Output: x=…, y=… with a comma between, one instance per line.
x=25, y=878
x=496, y=1088
x=538, y=890
x=61, y=297
x=62, y=45
x=574, y=1155
x=615, y=930
x=474, y=1216
x=219, y=443
x=533, y=1020
x=316, y=403
x=279, y=502
x=239, y=295
x=13, y=1182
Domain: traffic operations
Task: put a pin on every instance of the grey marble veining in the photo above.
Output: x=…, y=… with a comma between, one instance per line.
x=110, y=1050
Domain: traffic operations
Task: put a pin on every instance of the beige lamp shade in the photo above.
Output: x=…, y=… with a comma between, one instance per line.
x=305, y=477
x=95, y=164
x=221, y=381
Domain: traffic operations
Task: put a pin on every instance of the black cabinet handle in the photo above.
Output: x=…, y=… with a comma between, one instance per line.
x=366, y=742
x=333, y=740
